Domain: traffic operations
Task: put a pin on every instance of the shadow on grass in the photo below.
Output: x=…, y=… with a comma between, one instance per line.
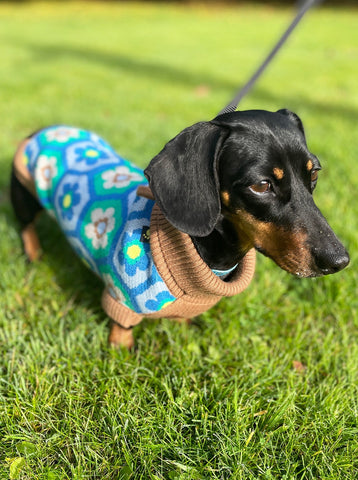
x=175, y=75
x=118, y=61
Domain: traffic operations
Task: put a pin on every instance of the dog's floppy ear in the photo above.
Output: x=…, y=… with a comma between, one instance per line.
x=294, y=118
x=184, y=179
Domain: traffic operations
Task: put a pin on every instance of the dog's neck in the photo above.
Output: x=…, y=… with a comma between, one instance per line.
x=221, y=249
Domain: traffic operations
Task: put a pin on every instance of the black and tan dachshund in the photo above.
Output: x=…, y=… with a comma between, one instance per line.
x=243, y=180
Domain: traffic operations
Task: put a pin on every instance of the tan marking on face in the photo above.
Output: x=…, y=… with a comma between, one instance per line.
x=286, y=248
x=225, y=196
x=279, y=173
x=309, y=165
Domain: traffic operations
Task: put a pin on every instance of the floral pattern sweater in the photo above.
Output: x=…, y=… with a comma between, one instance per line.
x=92, y=193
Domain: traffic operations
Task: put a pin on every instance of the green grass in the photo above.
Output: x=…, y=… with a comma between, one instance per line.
x=265, y=385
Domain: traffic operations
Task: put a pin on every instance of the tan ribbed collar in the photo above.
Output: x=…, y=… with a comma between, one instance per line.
x=180, y=265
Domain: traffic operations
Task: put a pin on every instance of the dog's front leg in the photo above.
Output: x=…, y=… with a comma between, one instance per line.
x=120, y=336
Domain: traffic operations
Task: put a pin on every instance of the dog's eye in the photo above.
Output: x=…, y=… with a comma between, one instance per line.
x=260, y=188
x=314, y=176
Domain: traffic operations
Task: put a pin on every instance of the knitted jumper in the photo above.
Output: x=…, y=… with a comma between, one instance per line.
x=106, y=210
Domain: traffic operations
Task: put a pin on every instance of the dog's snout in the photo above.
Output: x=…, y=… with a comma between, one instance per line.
x=329, y=261
x=327, y=251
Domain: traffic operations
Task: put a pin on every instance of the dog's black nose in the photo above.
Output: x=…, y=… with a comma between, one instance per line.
x=331, y=262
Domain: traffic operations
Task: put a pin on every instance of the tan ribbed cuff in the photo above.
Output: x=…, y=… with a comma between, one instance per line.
x=119, y=312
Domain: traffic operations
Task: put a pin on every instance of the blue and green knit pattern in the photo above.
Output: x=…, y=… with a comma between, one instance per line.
x=91, y=191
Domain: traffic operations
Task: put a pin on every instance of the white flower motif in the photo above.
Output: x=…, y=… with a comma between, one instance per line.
x=102, y=223
x=120, y=177
x=46, y=171
x=62, y=134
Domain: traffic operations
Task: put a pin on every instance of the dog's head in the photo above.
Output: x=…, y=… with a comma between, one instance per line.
x=254, y=169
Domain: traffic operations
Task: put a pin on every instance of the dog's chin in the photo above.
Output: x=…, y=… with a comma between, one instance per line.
x=305, y=272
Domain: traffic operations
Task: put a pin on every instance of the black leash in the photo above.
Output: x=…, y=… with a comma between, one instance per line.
x=231, y=107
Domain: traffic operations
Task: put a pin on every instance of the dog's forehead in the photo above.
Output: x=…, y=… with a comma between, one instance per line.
x=271, y=129
x=264, y=143
x=268, y=145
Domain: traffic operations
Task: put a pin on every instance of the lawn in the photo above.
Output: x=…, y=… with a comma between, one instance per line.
x=265, y=385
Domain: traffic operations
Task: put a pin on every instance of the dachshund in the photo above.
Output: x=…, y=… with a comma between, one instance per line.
x=217, y=192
